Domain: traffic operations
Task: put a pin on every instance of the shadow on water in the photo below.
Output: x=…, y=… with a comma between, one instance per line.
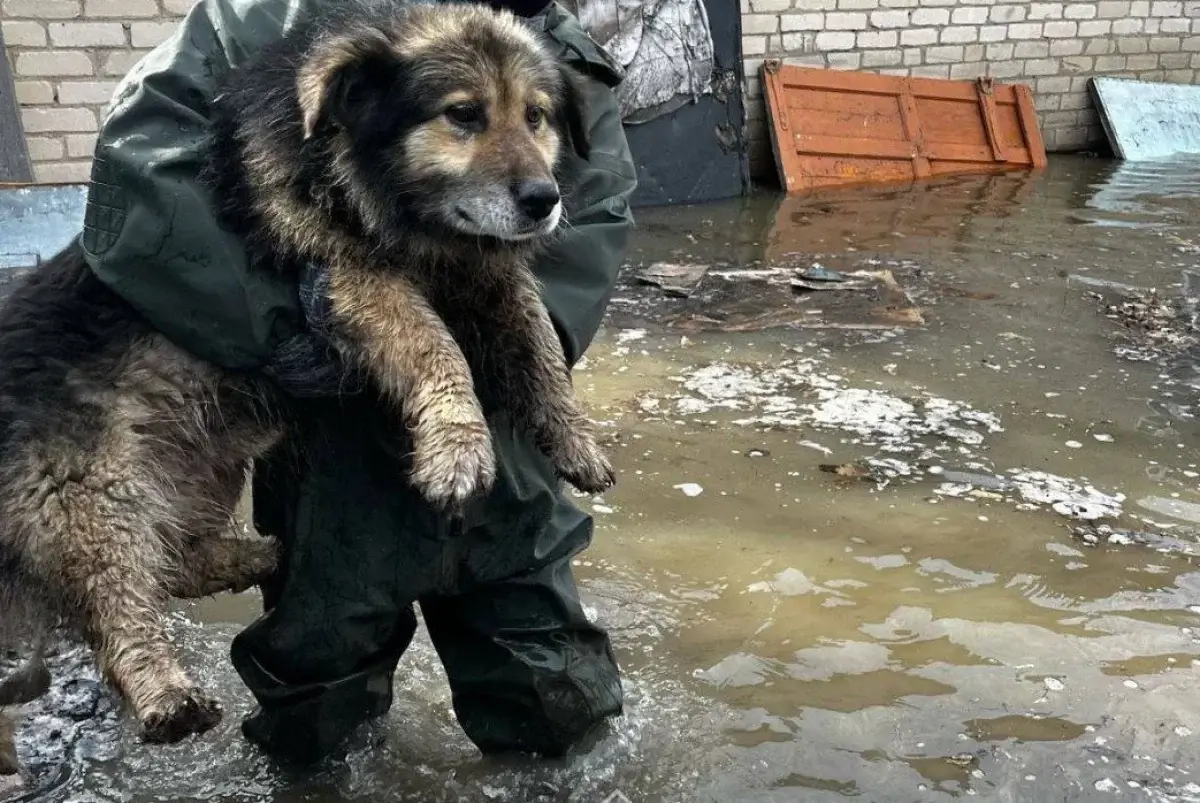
x=922, y=622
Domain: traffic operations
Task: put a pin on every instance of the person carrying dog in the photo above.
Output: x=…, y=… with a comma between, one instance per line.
x=528, y=670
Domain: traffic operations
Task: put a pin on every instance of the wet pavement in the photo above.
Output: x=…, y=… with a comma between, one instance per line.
x=950, y=553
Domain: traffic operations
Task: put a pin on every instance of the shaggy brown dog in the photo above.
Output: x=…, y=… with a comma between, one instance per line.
x=417, y=152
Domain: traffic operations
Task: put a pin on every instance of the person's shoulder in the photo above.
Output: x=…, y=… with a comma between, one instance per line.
x=580, y=49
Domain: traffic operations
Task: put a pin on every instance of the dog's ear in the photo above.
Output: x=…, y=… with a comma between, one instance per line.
x=570, y=110
x=344, y=77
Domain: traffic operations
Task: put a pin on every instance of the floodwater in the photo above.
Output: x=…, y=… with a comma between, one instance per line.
x=932, y=630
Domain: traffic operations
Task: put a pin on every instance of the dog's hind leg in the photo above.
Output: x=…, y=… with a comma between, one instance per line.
x=221, y=562
x=113, y=563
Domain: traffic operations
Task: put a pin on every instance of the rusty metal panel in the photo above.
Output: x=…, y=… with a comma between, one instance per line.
x=833, y=128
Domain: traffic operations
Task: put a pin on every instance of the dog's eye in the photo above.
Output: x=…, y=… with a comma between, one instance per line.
x=534, y=115
x=467, y=115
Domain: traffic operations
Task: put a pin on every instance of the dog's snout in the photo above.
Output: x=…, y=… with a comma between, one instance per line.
x=537, y=198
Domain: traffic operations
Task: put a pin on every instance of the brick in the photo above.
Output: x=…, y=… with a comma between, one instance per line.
x=82, y=93
x=835, y=40
x=87, y=34
x=53, y=62
x=930, y=72
x=973, y=53
x=1076, y=100
x=1032, y=50
x=877, y=39
x=23, y=34
x=1139, y=8
x=897, y=71
x=1042, y=67
x=770, y=5
x=1066, y=47
x=62, y=172
x=970, y=15
x=1151, y=25
x=1176, y=25
x=122, y=63
x=34, y=93
x=1078, y=64
x=1060, y=30
x=754, y=45
x=845, y=61
x=881, y=58
x=913, y=56
x=1092, y=28
x=42, y=9
x=802, y=22
x=760, y=23
x=151, y=34
x=958, y=34
x=1164, y=44
x=1000, y=52
x=1196, y=61
x=805, y=42
x=915, y=37
x=1004, y=69
x=890, y=19
x=1174, y=61
x=1110, y=63
x=1025, y=30
x=1047, y=103
x=1100, y=47
x=931, y=16
x=968, y=70
x=993, y=33
x=38, y=120
x=1127, y=27
x=1166, y=8
x=899, y=3
x=1080, y=11
x=944, y=54
x=1053, y=86
x=120, y=9
x=1179, y=76
x=1131, y=45
x=44, y=149
x=1113, y=9
x=1007, y=14
x=857, y=5
x=81, y=146
x=1191, y=8
x=1046, y=11
x=845, y=22
x=1145, y=61
x=813, y=60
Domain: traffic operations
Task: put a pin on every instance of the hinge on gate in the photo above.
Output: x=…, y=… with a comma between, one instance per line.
x=985, y=84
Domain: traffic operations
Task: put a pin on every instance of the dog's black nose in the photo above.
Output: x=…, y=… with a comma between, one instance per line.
x=537, y=198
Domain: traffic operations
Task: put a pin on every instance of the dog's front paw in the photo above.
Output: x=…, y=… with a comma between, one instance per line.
x=453, y=463
x=178, y=713
x=581, y=462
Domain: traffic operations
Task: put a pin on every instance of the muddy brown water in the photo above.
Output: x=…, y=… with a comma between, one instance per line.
x=789, y=635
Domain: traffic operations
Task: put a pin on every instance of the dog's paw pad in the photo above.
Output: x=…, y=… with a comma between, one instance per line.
x=454, y=465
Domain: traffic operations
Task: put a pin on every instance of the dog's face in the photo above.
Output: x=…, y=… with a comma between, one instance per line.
x=456, y=113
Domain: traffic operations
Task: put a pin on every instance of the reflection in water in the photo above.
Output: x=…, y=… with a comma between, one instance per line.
x=788, y=634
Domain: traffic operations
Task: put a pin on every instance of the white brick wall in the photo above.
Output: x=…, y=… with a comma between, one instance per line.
x=66, y=57
x=68, y=54
x=1053, y=46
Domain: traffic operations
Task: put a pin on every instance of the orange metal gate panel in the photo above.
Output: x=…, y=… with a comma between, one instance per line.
x=833, y=128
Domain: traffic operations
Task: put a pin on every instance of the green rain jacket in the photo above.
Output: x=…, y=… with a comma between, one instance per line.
x=150, y=233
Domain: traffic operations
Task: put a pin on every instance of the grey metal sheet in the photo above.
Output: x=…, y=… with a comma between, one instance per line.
x=1145, y=120
x=37, y=222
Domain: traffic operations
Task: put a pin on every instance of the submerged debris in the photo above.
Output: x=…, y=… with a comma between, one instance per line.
x=1152, y=327
x=1096, y=535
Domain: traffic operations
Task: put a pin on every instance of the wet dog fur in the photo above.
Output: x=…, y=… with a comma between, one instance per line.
x=420, y=152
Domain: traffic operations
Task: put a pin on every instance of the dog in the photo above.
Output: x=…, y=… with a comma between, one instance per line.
x=420, y=153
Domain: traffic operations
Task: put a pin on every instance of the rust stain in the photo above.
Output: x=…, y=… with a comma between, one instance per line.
x=834, y=128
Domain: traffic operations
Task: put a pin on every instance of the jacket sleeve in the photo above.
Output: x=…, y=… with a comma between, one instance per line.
x=579, y=272
x=150, y=231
